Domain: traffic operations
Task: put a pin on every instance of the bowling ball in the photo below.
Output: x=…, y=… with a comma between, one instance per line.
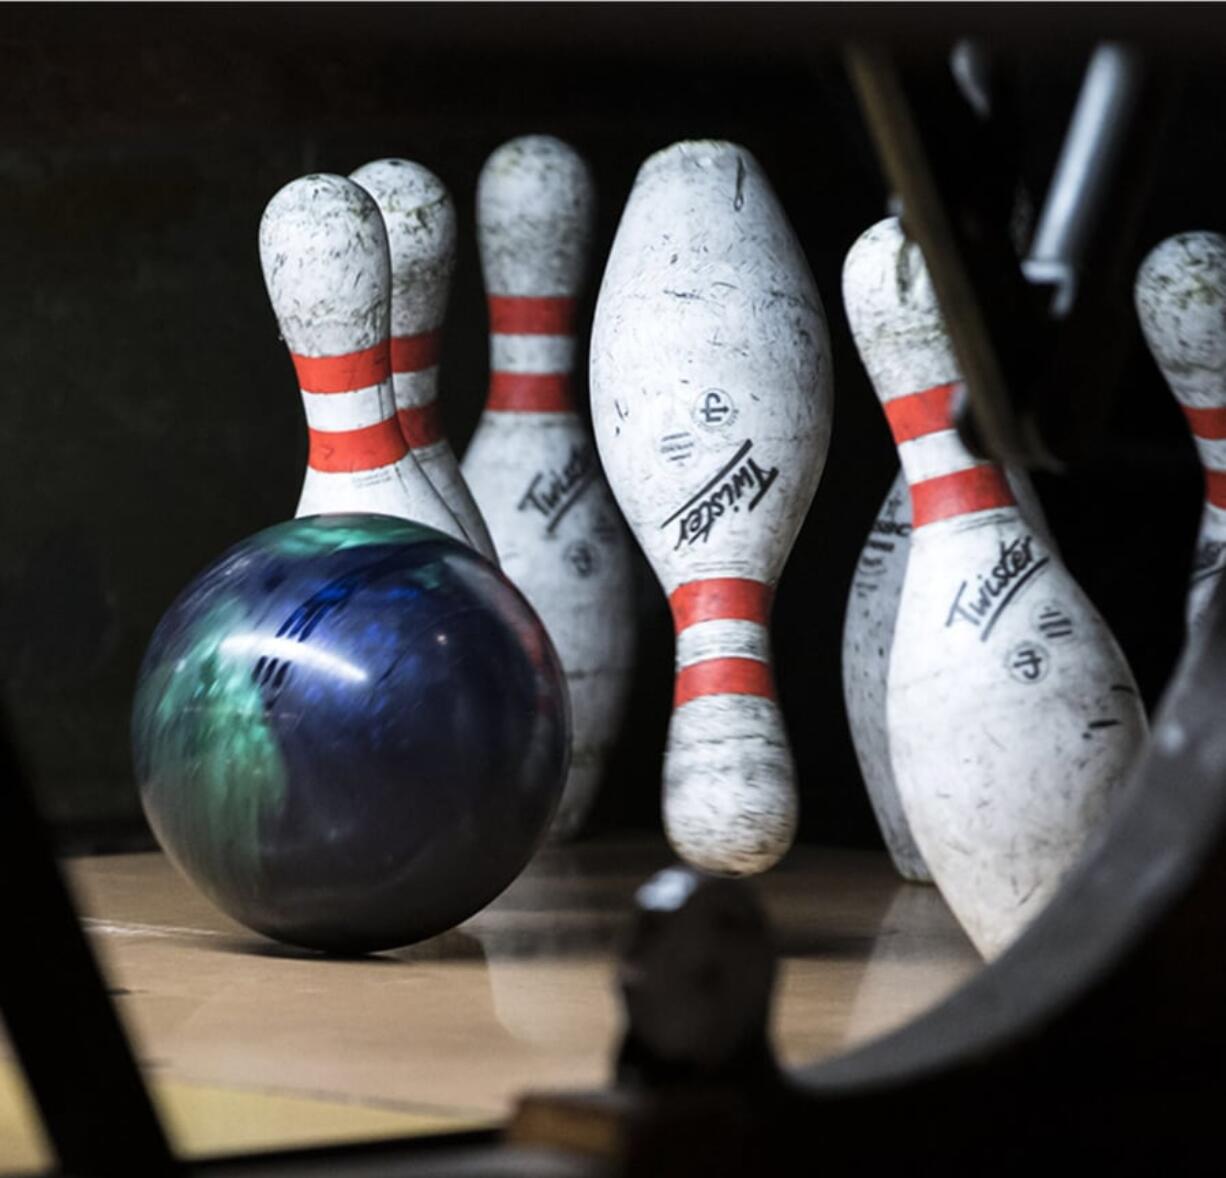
x=350, y=732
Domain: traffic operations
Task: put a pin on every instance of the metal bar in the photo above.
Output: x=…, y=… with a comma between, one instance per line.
x=1101, y=123
x=905, y=159
x=1072, y=396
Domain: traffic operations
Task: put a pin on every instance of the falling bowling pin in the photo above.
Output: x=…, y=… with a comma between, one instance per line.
x=419, y=216
x=324, y=252
x=1181, y=302
x=531, y=465
x=1012, y=713
x=868, y=637
x=711, y=400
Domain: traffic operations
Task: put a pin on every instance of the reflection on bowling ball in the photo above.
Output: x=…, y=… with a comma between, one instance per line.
x=350, y=732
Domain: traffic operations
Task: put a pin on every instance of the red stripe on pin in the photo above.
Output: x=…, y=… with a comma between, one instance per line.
x=415, y=353
x=723, y=677
x=420, y=425
x=351, y=450
x=531, y=316
x=960, y=493
x=720, y=598
x=529, y=392
x=1206, y=423
x=1215, y=487
x=919, y=414
x=343, y=374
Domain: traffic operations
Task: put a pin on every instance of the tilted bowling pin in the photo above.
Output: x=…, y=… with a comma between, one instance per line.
x=420, y=220
x=868, y=637
x=324, y=252
x=1181, y=302
x=711, y=399
x=531, y=464
x=1012, y=713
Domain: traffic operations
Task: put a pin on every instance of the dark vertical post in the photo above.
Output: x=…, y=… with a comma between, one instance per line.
x=66, y=1033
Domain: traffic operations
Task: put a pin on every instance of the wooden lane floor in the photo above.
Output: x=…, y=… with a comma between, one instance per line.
x=252, y=1045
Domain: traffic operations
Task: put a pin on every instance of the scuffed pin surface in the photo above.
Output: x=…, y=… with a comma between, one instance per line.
x=324, y=252
x=868, y=638
x=419, y=216
x=1181, y=303
x=1010, y=727
x=536, y=475
x=710, y=368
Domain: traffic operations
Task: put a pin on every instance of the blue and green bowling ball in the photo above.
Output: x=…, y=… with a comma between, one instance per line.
x=350, y=732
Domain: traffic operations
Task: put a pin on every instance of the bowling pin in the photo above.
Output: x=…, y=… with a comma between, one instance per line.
x=1181, y=302
x=324, y=252
x=531, y=465
x=420, y=220
x=1012, y=713
x=711, y=400
x=868, y=637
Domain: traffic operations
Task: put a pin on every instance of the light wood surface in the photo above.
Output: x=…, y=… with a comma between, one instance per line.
x=252, y=1045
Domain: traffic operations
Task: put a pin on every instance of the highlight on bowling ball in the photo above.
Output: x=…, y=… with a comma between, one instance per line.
x=350, y=732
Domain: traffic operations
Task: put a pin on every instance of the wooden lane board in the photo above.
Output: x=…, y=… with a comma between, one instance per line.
x=208, y=1120
x=251, y=1045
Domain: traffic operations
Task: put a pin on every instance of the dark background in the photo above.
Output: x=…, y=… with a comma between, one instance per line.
x=151, y=418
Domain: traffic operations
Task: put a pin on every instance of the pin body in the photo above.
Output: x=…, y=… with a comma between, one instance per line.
x=419, y=216
x=711, y=401
x=531, y=465
x=324, y=253
x=1181, y=303
x=868, y=638
x=1012, y=713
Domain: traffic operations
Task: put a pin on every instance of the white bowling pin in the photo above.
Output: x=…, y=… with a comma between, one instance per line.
x=325, y=258
x=531, y=464
x=1181, y=302
x=868, y=638
x=421, y=232
x=1012, y=713
x=711, y=400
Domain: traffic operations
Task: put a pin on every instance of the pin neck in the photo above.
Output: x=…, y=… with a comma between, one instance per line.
x=415, y=360
x=962, y=492
x=530, y=392
x=945, y=480
x=416, y=353
x=720, y=599
x=346, y=373
x=352, y=451
x=532, y=350
x=532, y=314
x=722, y=646
x=344, y=393
x=1215, y=488
x=421, y=425
x=723, y=676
